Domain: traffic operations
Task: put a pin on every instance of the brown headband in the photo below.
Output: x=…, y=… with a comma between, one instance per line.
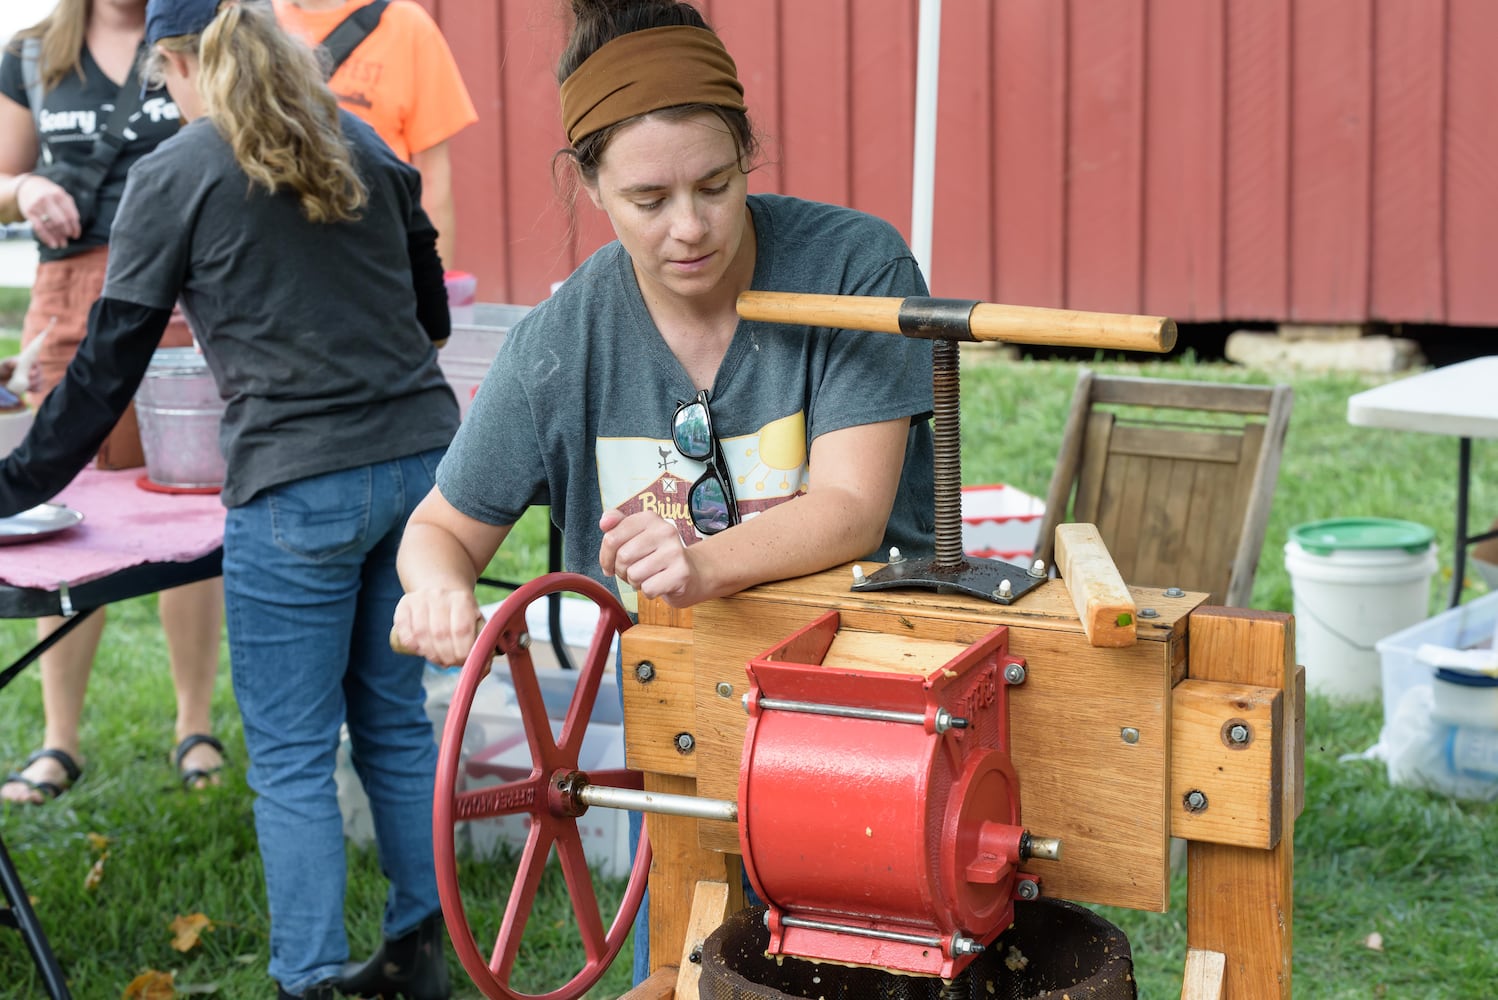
x=645, y=71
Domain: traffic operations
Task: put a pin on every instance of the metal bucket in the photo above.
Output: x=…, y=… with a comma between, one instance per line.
x=179, y=410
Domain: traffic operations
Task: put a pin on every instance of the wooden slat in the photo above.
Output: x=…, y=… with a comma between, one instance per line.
x=660, y=986
x=815, y=61
x=1125, y=505
x=1104, y=218
x=963, y=236
x=709, y=909
x=474, y=32
x=1172, y=508
x=1058, y=499
x=1030, y=159
x=1064, y=735
x=751, y=31
x=1331, y=167
x=1157, y=392
x=874, y=651
x=1183, y=191
x=1104, y=604
x=1409, y=254
x=1089, y=500
x=1243, y=784
x=881, y=185
x=1471, y=176
x=1204, y=973
x=1260, y=497
x=1199, y=445
x=655, y=712
x=1256, y=237
x=536, y=252
x=1255, y=648
x=1201, y=534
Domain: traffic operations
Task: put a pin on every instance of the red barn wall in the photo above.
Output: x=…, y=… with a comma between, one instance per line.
x=1286, y=160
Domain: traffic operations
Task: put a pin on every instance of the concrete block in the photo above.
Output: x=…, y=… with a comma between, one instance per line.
x=1376, y=354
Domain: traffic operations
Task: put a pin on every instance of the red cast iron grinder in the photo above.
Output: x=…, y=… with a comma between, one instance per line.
x=879, y=813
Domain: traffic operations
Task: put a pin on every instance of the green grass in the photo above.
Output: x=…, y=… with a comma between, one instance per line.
x=13, y=306
x=1411, y=866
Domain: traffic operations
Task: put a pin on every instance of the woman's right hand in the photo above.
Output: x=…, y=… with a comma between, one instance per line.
x=439, y=625
x=50, y=209
x=8, y=370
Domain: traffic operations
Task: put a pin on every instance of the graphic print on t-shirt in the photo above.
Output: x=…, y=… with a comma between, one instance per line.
x=768, y=467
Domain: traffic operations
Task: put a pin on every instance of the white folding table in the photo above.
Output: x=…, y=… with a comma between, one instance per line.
x=1460, y=401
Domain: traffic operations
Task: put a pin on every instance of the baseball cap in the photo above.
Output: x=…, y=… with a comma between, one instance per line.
x=171, y=18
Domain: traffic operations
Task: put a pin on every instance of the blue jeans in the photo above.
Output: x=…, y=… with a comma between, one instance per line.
x=309, y=593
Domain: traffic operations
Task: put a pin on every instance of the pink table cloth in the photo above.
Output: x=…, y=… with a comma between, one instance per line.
x=123, y=526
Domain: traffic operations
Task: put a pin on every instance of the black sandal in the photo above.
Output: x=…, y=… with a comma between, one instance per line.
x=193, y=775
x=48, y=789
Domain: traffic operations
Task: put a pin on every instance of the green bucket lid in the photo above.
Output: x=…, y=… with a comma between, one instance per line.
x=1341, y=534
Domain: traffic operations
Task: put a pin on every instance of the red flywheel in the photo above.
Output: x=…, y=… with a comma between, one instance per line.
x=545, y=794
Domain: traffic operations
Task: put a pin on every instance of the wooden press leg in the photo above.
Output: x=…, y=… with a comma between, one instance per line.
x=1239, y=900
x=677, y=864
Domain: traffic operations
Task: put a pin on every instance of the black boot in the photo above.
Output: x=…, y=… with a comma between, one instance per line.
x=322, y=991
x=410, y=967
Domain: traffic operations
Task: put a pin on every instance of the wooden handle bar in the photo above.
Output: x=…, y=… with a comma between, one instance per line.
x=954, y=319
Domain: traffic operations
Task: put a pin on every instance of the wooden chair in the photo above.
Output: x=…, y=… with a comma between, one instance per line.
x=1177, y=477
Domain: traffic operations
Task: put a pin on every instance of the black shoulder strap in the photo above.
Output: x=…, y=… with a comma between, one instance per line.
x=351, y=32
x=116, y=132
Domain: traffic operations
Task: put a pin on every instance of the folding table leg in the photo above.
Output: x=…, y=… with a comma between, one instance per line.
x=22, y=917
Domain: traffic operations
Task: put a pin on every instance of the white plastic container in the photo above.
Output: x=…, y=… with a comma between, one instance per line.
x=1355, y=581
x=1000, y=522
x=466, y=356
x=1467, y=626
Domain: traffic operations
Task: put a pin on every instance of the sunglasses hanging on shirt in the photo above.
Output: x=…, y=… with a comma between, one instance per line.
x=710, y=500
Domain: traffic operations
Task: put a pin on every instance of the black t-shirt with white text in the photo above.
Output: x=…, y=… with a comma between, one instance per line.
x=71, y=116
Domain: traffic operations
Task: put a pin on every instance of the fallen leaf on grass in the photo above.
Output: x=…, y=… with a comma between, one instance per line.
x=95, y=874
x=151, y=985
x=1374, y=942
x=98, y=842
x=188, y=929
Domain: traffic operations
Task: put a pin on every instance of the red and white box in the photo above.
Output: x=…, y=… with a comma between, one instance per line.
x=1000, y=522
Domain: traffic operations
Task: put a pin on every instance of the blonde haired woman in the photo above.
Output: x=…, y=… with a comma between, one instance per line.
x=58, y=80
x=297, y=244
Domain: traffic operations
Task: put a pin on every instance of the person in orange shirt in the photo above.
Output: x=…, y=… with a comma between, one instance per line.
x=403, y=81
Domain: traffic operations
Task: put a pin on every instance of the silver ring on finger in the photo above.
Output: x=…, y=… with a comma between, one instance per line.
x=46, y=217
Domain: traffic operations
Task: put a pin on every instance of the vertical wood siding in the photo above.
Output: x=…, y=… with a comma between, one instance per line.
x=1287, y=160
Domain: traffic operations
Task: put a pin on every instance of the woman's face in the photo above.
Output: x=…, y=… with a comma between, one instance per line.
x=179, y=73
x=674, y=192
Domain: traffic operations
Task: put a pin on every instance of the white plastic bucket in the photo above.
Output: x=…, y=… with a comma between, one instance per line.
x=1355, y=581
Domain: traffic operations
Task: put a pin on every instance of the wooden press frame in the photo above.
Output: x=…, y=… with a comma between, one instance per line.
x=1108, y=744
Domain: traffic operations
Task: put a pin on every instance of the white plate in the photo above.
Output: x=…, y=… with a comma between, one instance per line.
x=39, y=522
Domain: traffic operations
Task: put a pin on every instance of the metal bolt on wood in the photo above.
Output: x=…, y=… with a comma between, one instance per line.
x=1238, y=733
x=1174, y=592
x=645, y=671
x=1196, y=801
x=1148, y=613
x=1129, y=734
x=1014, y=674
x=725, y=689
x=685, y=743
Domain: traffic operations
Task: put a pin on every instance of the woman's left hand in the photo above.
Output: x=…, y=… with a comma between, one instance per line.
x=647, y=552
x=50, y=209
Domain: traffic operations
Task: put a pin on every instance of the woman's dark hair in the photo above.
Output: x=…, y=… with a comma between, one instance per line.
x=598, y=22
